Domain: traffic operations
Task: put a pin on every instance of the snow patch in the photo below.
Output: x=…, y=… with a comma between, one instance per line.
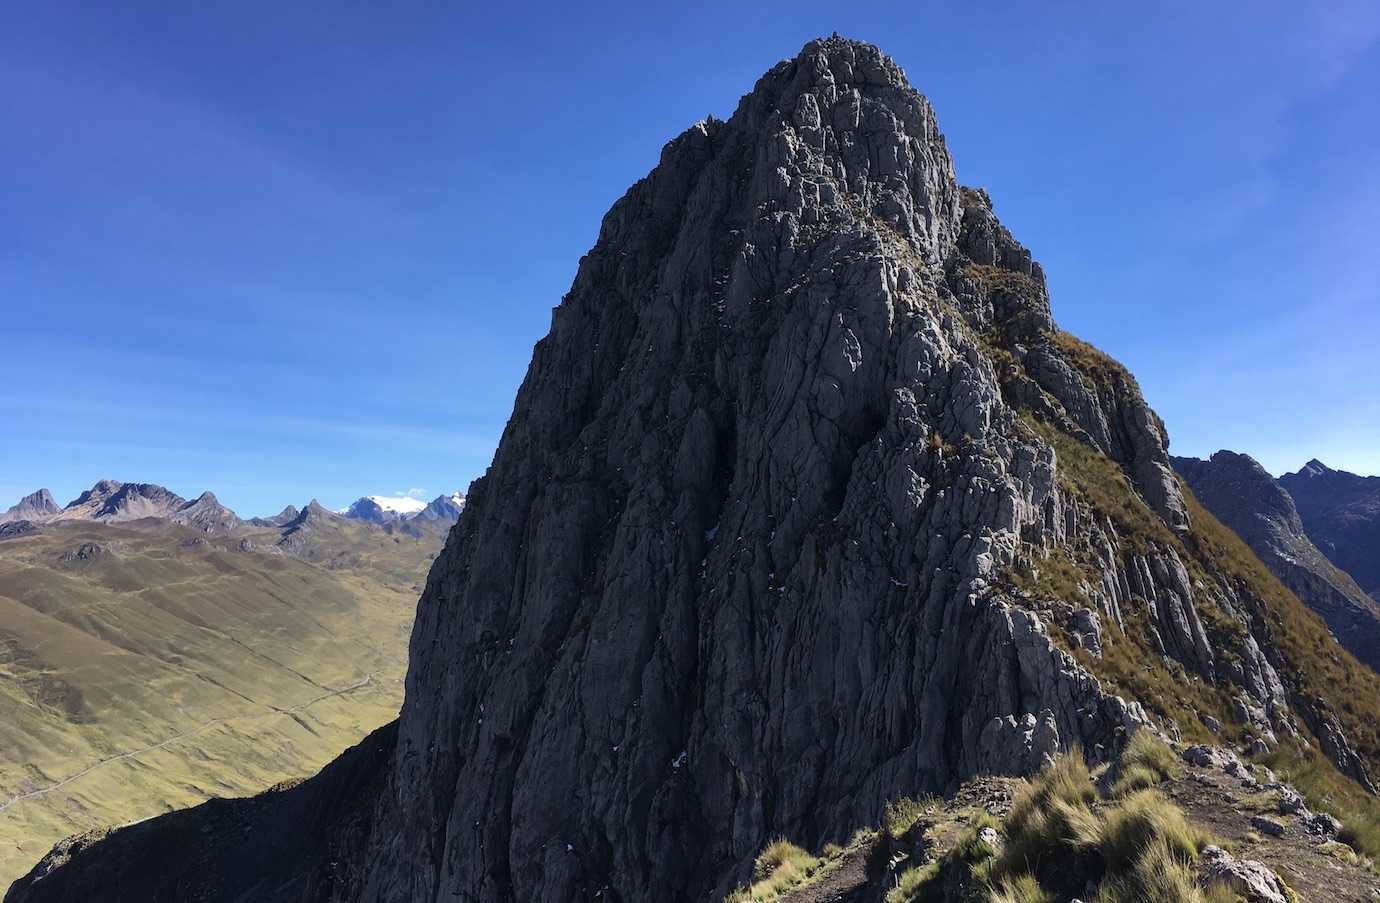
x=400, y=504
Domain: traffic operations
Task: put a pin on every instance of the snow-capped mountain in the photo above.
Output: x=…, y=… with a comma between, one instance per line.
x=381, y=509
x=403, y=510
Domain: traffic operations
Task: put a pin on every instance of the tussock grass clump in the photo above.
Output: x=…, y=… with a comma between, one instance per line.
x=1020, y=889
x=902, y=814
x=1059, y=836
x=1052, y=819
x=779, y=868
x=918, y=884
x=1146, y=762
x=1159, y=874
x=783, y=867
x=971, y=848
x=1145, y=821
x=780, y=852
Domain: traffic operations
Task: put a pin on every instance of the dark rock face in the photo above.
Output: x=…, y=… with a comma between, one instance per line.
x=1244, y=497
x=1341, y=512
x=741, y=566
x=36, y=507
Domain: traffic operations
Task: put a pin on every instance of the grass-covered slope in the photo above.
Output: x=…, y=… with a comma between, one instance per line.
x=146, y=667
x=1146, y=828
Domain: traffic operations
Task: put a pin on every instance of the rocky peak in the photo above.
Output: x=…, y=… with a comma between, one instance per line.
x=792, y=496
x=1341, y=512
x=1244, y=496
x=35, y=507
x=282, y=518
x=132, y=501
x=111, y=500
x=96, y=494
x=444, y=508
x=207, y=514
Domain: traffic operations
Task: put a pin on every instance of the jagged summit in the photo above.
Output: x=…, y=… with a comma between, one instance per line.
x=805, y=504
x=282, y=518
x=1341, y=511
x=207, y=514
x=381, y=509
x=35, y=507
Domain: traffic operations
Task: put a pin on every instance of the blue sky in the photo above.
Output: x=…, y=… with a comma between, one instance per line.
x=291, y=252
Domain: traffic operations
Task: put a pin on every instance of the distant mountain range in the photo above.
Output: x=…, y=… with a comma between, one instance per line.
x=111, y=501
x=381, y=509
x=1267, y=515
x=156, y=650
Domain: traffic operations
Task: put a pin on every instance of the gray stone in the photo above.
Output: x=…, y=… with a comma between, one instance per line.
x=1246, y=877
x=1322, y=825
x=1267, y=826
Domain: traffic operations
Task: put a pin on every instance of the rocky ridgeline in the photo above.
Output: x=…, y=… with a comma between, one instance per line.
x=767, y=542
x=1341, y=512
x=1250, y=501
x=111, y=501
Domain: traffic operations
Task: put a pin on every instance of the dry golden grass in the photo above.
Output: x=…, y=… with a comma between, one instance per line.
x=183, y=668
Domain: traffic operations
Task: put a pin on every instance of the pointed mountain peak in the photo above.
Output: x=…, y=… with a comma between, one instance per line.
x=282, y=518
x=101, y=490
x=36, y=506
x=206, y=513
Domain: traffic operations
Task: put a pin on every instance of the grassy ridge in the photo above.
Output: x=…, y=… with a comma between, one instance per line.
x=160, y=667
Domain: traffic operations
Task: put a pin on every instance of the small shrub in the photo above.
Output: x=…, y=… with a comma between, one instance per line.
x=1340, y=851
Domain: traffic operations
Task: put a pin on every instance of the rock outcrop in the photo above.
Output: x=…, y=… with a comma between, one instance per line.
x=1246, y=498
x=206, y=514
x=111, y=500
x=281, y=519
x=1341, y=512
x=444, y=509
x=36, y=507
x=800, y=503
